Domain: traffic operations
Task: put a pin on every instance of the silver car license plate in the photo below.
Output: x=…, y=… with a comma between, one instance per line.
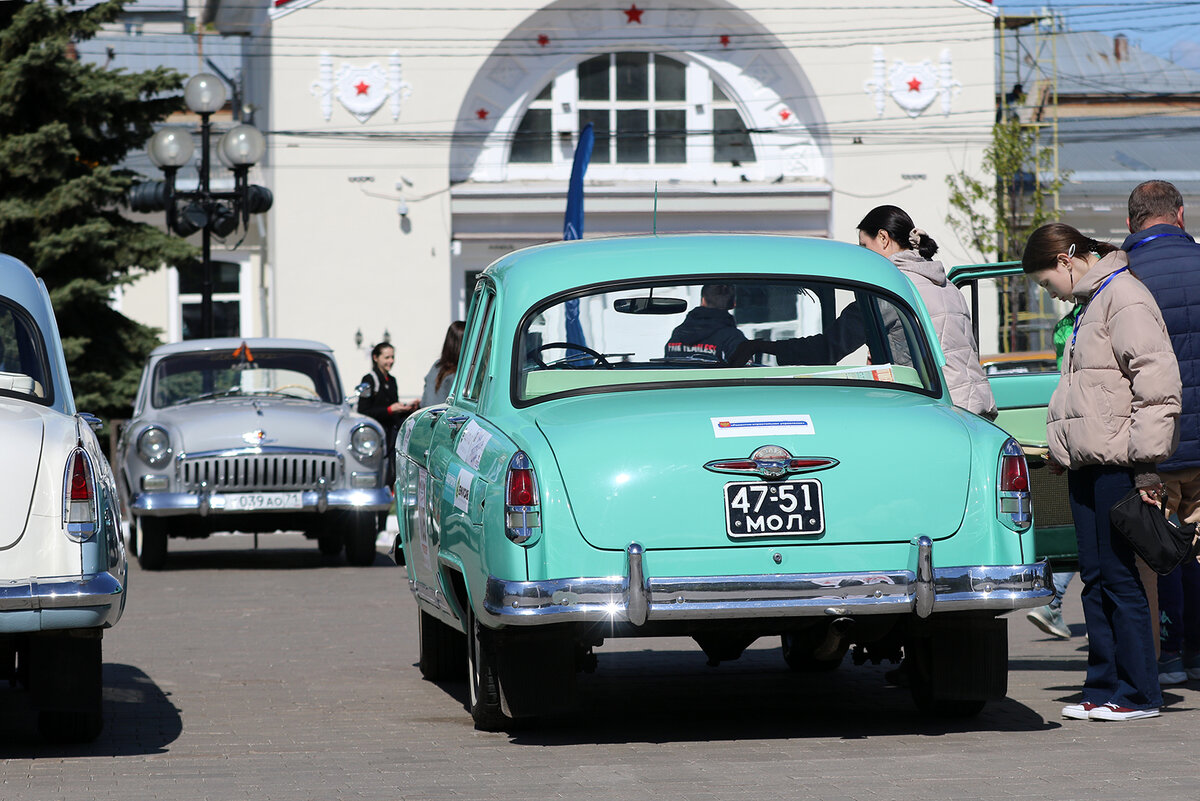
x=257, y=501
x=774, y=508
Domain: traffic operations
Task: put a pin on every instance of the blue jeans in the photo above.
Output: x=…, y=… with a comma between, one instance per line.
x=1179, y=604
x=1061, y=580
x=1122, y=667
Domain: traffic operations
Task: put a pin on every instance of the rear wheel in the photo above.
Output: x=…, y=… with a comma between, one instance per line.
x=151, y=543
x=329, y=544
x=482, y=680
x=64, y=677
x=442, y=649
x=957, y=666
x=798, y=651
x=359, y=535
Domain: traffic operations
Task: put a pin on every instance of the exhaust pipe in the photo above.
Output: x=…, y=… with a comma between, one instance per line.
x=835, y=640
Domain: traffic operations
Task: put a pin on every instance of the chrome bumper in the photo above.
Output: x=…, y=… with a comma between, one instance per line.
x=167, y=504
x=638, y=598
x=67, y=592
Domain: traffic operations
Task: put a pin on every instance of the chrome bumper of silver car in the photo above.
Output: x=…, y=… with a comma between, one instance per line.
x=167, y=504
x=66, y=592
x=637, y=598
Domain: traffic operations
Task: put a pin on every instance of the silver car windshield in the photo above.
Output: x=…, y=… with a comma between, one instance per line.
x=24, y=372
x=191, y=377
x=722, y=329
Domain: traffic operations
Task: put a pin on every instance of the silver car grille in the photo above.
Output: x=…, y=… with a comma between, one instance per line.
x=297, y=471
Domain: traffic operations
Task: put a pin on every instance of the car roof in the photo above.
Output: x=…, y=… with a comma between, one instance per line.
x=531, y=274
x=233, y=343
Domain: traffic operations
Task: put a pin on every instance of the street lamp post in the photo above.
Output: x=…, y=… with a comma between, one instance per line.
x=203, y=209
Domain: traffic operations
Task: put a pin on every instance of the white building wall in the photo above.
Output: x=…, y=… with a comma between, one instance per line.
x=344, y=259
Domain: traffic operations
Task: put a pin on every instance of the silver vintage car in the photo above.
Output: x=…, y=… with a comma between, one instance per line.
x=62, y=561
x=250, y=435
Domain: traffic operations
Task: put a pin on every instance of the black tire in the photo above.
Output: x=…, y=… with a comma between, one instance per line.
x=65, y=676
x=152, y=543
x=442, y=649
x=359, y=536
x=917, y=661
x=483, y=700
x=329, y=544
x=797, y=649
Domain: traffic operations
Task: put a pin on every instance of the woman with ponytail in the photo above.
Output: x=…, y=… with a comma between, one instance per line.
x=441, y=376
x=890, y=232
x=1113, y=416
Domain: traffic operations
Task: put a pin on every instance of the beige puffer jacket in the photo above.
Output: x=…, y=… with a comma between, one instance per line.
x=1118, y=400
x=969, y=388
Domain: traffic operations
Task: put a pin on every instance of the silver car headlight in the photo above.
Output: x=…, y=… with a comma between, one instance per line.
x=154, y=446
x=366, y=441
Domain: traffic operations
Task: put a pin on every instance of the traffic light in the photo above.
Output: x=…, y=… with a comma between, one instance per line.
x=258, y=199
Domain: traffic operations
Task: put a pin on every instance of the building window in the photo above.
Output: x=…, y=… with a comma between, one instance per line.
x=645, y=109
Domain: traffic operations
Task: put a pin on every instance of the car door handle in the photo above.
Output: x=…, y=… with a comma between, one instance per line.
x=456, y=422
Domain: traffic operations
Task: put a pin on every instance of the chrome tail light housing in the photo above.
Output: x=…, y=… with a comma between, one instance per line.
x=1014, y=505
x=522, y=509
x=80, y=514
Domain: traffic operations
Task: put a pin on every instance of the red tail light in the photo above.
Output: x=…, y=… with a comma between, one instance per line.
x=79, y=497
x=520, y=488
x=81, y=484
x=1014, y=474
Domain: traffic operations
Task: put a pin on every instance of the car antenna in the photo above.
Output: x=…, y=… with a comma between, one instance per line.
x=655, y=229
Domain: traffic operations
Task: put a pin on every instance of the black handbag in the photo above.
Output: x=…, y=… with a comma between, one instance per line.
x=1162, y=544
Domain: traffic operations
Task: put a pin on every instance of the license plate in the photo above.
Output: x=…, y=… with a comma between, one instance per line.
x=774, y=508
x=257, y=501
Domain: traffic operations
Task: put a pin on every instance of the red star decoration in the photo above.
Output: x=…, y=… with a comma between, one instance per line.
x=543, y=39
x=634, y=14
x=914, y=85
x=482, y=113
x=783, y=115
x=362, y=87
x=724, y=40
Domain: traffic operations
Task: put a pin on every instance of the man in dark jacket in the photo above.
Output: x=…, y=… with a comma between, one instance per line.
x=1167, y=259
x=709, y=331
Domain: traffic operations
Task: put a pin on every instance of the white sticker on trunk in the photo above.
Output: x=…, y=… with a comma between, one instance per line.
x=471, y=443
x=462, y=489
x=762, y=425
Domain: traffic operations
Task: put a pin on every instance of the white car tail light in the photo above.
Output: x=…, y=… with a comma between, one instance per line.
x=522, y=513
x=79, y=497
x=1013, y=504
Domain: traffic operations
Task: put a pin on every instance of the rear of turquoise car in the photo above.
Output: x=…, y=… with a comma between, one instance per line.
x=589, y=478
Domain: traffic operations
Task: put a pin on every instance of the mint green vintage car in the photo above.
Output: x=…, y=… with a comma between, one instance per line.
x=623, y=455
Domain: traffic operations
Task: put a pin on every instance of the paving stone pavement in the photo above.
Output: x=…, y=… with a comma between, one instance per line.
x=278, y=674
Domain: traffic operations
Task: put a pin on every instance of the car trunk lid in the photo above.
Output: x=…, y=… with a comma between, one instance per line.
x=634, y=465
x=23, y=435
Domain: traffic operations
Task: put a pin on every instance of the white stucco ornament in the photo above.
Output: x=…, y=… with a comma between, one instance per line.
x=362, y=90
x=914, y=87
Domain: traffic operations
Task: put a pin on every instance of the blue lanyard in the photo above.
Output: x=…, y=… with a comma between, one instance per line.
x=1079, y=317
x=1157, y=236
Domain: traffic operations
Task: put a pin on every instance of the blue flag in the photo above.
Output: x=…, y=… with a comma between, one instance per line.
x=573, y=224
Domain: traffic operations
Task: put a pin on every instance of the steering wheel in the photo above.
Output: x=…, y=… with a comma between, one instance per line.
x=599, y=357
x=309, y=390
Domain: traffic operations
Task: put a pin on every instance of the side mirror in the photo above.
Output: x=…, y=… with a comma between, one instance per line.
x=363, y=390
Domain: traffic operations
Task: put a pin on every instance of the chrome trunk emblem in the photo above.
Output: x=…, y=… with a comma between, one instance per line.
x=771, y=462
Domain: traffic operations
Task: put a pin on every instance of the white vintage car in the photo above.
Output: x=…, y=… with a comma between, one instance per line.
x=62, y=560
x=254, y=436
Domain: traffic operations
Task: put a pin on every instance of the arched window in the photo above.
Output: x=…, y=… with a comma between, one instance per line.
x=645, y=109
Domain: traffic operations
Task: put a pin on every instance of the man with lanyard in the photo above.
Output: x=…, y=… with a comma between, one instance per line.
x=1167, y=260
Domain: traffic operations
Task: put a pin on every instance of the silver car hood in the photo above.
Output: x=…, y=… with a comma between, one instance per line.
x=232, y=423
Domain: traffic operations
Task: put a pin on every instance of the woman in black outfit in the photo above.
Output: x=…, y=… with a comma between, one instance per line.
x=381, y=401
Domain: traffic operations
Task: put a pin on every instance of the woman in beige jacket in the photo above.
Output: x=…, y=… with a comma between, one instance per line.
x=1112, y=418
x=889, y=231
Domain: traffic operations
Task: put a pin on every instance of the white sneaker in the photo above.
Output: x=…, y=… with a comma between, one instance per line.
x=1111, y=711
x=1050, y=621
x=1079, y=711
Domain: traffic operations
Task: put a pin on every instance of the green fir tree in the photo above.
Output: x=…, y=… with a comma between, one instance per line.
x=65, y=128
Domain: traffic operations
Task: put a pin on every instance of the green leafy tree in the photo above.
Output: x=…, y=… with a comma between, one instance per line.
x=995, y=210
x=65, y=128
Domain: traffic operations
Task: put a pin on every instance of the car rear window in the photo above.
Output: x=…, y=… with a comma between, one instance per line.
x=721, y=329
x=190, y=377
x=24, y=370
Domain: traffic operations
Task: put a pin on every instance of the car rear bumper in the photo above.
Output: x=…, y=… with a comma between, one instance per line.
x=637, y=598
x=61, y=602
x=169, y=504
